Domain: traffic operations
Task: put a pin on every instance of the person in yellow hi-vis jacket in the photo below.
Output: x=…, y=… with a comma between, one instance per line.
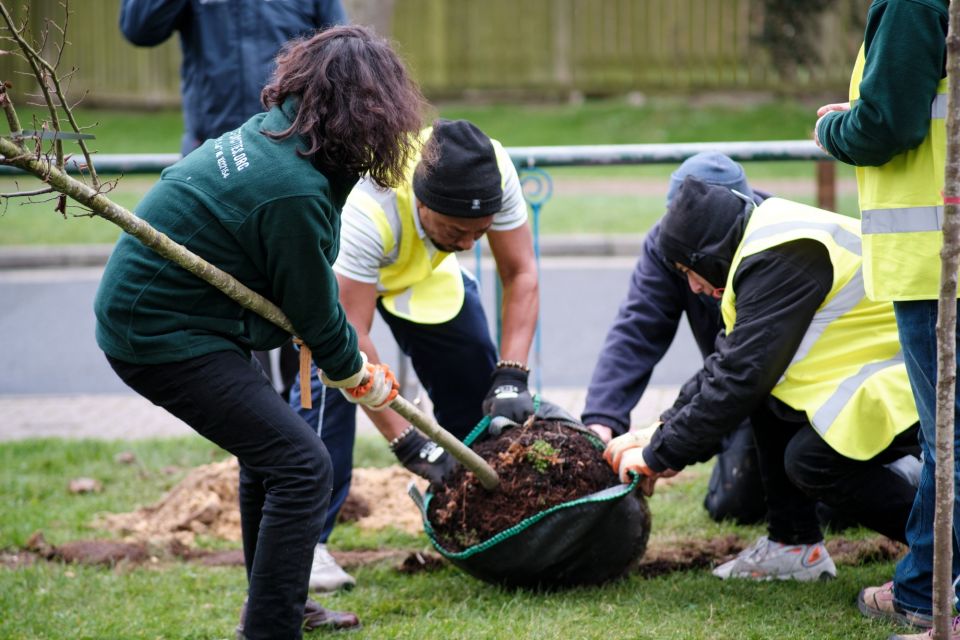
x=812, y=363
x=893, y=130
x=398, y=258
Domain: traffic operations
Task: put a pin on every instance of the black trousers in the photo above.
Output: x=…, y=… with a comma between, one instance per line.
x=799, y=468
x=285, y=477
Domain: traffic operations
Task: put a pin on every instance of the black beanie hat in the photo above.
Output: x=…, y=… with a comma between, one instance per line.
x=463, y=179
x=702, y=229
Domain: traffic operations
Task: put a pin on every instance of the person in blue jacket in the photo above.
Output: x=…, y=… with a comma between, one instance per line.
x=228, y=51
x=646, y=323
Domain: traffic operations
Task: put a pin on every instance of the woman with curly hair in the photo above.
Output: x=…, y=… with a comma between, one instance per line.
x=262, y=202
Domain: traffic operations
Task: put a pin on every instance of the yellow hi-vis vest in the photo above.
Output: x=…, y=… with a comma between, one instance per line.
x=848, y=374
x=901, y=210
x=416, y=287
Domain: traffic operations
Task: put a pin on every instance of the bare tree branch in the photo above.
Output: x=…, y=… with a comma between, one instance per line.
x=45, y=71
x=27, y=194
x=36, y=63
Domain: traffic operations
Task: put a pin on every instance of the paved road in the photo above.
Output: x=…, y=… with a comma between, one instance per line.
x=47, y=344
x=55, y=382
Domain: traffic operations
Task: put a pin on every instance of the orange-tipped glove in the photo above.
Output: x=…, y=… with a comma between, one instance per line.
x=373, y=386
x=378, y=391
x=625, y=453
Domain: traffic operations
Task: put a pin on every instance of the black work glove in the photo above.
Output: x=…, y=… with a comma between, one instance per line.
x=423, y=457
x=508, y=395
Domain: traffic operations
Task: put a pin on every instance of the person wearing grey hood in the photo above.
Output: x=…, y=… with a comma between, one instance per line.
x=645, y=325
x=813, y=364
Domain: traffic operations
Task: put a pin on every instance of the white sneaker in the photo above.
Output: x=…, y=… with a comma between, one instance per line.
x=326, y=574
x=768, y=560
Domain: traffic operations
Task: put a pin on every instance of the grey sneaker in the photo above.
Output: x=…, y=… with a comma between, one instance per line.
x=769, y=560
x=326, y=574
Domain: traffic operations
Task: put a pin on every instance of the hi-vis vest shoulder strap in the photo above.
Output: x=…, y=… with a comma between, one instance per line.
x=416, y=287
x=901, y=208
x=848, y=374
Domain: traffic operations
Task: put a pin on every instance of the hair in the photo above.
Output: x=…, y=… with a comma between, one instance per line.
x=360, y=111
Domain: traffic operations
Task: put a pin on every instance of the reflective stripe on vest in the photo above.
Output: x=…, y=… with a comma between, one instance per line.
x=901, y=208
x=847, y=374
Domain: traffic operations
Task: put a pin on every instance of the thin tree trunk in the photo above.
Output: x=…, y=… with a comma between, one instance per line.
x=946, y=352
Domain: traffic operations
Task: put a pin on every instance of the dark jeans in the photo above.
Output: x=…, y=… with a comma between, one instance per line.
x=285, y=474
x=453, y=361
x=287, y=370
x=912, y=582
x=799, y=468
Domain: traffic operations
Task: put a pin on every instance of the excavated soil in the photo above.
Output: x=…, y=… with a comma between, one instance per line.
x=662, y=557
x=540, y=464
x=205, y=503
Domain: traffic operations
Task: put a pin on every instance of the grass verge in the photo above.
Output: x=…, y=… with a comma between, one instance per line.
x=173, y=599
x=602, y=200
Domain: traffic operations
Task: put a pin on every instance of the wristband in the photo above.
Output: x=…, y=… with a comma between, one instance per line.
x=512, y=364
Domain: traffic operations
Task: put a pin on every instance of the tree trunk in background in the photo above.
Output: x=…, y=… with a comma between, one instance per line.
x=946, y=351
x=372, y=13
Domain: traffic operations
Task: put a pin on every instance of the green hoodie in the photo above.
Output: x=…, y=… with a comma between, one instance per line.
x=905, y=47
x=254, y=208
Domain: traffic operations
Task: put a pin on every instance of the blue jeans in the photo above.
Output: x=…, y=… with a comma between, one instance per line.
x=916, y=322
x=453, y=361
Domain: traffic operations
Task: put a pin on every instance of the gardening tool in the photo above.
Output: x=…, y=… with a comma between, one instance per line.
x=416, y=417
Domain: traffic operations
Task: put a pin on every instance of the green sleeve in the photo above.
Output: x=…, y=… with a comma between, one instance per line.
x=298, y=238
x=904, y=46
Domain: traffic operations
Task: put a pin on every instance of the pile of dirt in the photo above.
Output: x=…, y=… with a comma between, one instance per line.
x=540, y=465
x=205, y=503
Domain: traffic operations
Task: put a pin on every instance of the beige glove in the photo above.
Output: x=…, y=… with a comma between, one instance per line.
x=376, y=393
x=625, y=453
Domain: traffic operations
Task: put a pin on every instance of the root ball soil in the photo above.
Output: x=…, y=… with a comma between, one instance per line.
x=559, y=517
x=540, y=465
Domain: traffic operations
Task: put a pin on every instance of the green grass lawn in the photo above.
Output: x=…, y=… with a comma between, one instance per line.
x=172, y=599
x=602, y=204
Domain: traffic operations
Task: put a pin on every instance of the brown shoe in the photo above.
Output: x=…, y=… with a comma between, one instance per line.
x=877, y=602
x=314, y=617
x=317, y=617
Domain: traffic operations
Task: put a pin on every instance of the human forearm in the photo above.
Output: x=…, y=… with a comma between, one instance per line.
x=641, y=333
x=903, y=63
x=521, y=304
x=778, y=294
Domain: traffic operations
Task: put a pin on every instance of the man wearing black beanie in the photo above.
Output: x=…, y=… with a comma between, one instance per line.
x=812, y=363
x=398, y=256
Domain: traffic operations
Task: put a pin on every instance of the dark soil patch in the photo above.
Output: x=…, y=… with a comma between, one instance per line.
x=354, y=508
x=688, y=555
x=856, y=552
x=693, y=554
x=421, y=563
x=540, y=465
x=95, y=552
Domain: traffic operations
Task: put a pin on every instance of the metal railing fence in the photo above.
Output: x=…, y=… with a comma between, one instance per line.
x=532, y=164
